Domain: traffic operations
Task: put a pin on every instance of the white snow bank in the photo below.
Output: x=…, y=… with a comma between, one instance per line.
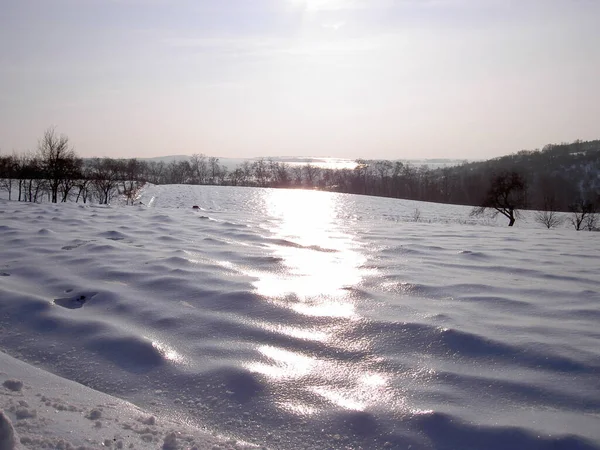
x=50, y=412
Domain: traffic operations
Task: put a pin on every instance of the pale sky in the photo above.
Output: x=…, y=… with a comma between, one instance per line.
x=343, y=78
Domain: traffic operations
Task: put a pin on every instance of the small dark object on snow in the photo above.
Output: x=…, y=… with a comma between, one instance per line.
x=75, y=302
x=195, y=207
x=13, y=385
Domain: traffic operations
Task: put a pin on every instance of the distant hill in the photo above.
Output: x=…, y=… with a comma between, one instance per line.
x=166, y=159
x=324, y=162
x=565, y=171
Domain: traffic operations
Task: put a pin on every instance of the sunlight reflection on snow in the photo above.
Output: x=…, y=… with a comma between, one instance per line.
x=168, y=352
x=298, y=408
x=321, y=262
x=307, y=334
x=327, y=309
x=321, y=259
x=374, y=379
x=286, y=364
x=359, y=389
x=338, y=397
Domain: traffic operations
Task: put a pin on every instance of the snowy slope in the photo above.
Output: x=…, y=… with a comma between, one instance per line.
x=52, y=412
x=294, y=319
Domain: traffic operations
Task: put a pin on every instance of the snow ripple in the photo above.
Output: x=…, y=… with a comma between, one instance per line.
x=293, y=327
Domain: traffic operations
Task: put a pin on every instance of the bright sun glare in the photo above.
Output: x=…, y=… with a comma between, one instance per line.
x=317, y=5
x=320, y=258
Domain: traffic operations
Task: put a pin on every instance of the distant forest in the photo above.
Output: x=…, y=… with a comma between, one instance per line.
x=566, y=173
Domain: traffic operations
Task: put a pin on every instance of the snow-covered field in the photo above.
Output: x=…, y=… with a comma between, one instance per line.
x=294, y=319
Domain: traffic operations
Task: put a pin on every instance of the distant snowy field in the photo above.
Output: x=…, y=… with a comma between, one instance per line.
x=294, y=319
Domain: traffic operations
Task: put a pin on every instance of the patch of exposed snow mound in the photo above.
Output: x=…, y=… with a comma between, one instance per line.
x=8, y=437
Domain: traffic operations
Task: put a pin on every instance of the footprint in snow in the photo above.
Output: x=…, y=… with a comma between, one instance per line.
x=74, y=302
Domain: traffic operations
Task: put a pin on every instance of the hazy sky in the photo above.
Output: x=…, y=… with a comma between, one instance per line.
x=346, y=78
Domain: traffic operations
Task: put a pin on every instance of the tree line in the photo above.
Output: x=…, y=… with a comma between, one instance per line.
x=56, y=173
x=557, y=178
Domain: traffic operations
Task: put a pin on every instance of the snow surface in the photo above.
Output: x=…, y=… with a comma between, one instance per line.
x=294, y=319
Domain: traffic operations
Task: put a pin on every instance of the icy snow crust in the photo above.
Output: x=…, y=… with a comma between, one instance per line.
x=294, y=319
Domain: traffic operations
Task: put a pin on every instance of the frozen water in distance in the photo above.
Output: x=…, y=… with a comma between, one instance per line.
x=300, y=319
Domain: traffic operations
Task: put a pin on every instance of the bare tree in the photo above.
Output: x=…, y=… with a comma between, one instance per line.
x=129, y=178
x=247, y=173
x=281, y=176
x=105, y=179
x=383, y=169
x=8, y=172
x=156, y=172
x=297, y=175
x=57, y=159
x=223, y=174
x=581, y=210
x=548, y=215
x=83, y=185
x=214, y=169
x=591, y=222
x=506, y=195
x=199, y=169
x=261, y=172
x=311, y=174
x=361, y=172
x=178, y=172
x=236, y=177
x=416, y=215
x=72, y=174
x=410, y=184
x=32, y=182
x=550, y=219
